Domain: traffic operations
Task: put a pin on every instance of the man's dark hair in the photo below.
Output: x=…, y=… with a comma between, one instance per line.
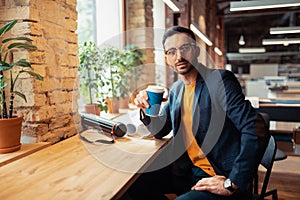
x=175, y=30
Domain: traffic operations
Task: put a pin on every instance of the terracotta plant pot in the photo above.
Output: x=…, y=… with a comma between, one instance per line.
x=113, y=105
x=92, y=109
x=10, y=134
x=124, y=102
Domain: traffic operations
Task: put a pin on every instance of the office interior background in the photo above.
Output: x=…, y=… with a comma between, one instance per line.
x=253, y=43
x=257, y=40
x=259, y=43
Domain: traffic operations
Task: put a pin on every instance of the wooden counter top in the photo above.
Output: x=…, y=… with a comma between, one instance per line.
x=73, y=169
x=26, y=149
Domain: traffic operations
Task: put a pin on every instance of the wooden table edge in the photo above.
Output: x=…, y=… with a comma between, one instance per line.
x=121, y=192
x=19, y=154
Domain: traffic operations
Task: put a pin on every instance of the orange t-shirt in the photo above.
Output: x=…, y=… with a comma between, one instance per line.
x=194, y=151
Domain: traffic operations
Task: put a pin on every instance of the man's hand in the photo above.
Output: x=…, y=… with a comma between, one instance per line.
x=212, y=184
x=141, y=99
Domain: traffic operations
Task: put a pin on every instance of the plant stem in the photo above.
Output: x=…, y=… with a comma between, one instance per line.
x=11, y=99
x=90, y=87
x=4, y=107
x=112, y=81
x=11, y=105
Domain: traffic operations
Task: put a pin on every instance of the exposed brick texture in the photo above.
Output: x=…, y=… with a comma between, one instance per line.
x=48, y=113
x=139, y=16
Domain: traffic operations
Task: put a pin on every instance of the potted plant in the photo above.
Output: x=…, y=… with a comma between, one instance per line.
x=90, y=78
x=130, y=70
x=10, y=71
x=110, y=91
x=121, y=71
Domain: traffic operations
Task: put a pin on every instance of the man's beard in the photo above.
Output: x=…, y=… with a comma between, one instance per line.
x=188, y=64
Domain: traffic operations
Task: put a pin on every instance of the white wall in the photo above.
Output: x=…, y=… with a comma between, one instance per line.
x=109, y=22
x=159, y=27
x=109, y=30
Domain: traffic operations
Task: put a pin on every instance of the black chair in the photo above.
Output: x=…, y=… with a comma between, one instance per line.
x=263, y=129
x=280, y=155
x=267, y=162
x=265, y=122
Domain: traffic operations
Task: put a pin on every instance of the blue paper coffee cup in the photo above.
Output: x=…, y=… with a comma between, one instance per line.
x=155, y=97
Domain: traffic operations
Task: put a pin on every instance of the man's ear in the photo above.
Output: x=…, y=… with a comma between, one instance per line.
x=166, y=60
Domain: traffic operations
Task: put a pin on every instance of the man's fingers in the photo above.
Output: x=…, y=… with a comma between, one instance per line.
x=144, y=94
x=200, y=187
x=141, y=99
x=212, y=184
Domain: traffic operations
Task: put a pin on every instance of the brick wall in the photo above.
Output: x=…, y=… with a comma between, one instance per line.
x=203, y=13
x=50, y=113
x=139, y=17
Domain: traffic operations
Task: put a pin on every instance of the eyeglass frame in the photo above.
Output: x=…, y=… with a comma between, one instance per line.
x=182, y=51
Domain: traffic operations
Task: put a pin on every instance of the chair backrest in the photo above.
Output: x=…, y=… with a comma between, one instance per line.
x=267, y=162
x=266, y=119
x=262, y=126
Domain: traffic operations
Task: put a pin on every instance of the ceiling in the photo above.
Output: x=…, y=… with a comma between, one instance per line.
x=254, y=26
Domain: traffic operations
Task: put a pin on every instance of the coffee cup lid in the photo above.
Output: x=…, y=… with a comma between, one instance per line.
x=155, y=88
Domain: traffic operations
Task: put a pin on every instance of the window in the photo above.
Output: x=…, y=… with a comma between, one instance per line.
x=99, y=20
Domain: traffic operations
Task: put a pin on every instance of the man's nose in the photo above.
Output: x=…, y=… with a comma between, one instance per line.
x=178, y=54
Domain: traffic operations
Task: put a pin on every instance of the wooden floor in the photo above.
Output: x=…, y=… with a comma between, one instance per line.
x=285, y=178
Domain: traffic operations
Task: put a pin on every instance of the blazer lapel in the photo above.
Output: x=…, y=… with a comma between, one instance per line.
x=177, y=113
x=196, y=104
x=199, y=86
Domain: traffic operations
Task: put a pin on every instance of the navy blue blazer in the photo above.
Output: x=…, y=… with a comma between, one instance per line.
x=224, y=125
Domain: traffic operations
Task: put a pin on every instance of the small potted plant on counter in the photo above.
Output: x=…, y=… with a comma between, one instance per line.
x=120, y=73
x=90, y=73
x=110, y=89
x=10, y=71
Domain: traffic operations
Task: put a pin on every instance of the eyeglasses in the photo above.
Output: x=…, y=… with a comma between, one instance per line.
x=185, y=48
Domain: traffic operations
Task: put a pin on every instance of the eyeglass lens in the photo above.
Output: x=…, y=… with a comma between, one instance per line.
x=185, y=48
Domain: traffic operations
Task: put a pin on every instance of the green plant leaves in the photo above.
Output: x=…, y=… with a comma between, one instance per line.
x=7, y=27
x=17, y=38
x=35, y=75
x=20, y=95
x=4, y=66
x=3, y=84
x=22, y=63
x=7, y=47
x=20, y=45
x=108, y=71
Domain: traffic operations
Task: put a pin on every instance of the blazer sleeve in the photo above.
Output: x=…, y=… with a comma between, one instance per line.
x=159, y=126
